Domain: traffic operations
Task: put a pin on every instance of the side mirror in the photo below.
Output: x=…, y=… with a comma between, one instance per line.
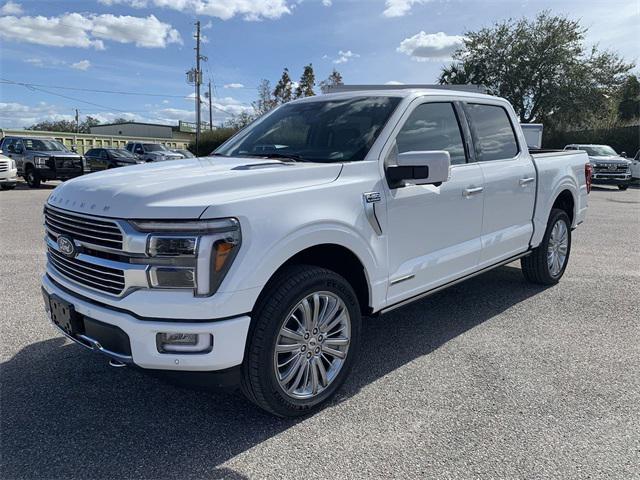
x=419, y=168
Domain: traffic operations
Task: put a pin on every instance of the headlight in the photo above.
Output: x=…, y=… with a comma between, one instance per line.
x=13, y=164
x=41, y=161
x=191, y=254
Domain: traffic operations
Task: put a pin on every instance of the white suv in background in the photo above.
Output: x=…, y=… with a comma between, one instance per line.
x=8, y=173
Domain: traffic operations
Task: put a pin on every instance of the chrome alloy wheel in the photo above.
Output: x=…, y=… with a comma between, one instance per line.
x=558, y=247
x=312, y=345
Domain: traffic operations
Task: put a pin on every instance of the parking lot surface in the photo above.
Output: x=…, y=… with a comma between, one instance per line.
x=493, y=378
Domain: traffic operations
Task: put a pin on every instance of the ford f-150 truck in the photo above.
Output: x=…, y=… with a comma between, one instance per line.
x=609, y=168
x=257, y=263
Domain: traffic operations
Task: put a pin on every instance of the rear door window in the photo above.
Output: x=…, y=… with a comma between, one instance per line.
x=493, y=134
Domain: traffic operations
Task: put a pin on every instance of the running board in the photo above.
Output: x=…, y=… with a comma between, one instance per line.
x=453, y=282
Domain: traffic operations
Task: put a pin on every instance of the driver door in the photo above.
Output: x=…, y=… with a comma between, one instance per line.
x=434, y=232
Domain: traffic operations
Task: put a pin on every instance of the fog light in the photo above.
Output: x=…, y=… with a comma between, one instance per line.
x=174, y=342
x=172, y=277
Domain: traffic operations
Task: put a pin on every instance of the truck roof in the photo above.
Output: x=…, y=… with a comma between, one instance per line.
x=398, y=92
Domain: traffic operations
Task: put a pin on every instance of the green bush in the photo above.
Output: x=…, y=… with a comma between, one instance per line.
x=621, y=139
x=210, y=140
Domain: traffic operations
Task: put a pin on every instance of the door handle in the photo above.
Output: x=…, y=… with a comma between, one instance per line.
x=472, y=191
x=526, y=181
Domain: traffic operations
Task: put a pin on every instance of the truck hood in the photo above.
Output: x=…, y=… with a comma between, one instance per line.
x=53, y=154
x=609, y=159
x=183, y=189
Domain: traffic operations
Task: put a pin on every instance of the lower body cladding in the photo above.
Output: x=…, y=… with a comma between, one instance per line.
x=199, y=346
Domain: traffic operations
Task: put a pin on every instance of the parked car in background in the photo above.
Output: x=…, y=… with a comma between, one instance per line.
x=8, y=173
x=635, y=166
x=39, y=159
x=105, y=158
x=152, y=152
x=184, y=152
x=256, y=265
x=609, y=168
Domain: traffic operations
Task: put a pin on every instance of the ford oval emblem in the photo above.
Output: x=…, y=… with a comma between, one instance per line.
x=66, y=246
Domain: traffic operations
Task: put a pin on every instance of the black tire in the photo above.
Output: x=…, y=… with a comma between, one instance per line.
x=284, y=292
x=535, y=266
x=7, y=187
x=623, y=187
x=32, y=177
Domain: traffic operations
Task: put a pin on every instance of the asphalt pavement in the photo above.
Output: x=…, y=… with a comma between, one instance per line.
x=492, y=378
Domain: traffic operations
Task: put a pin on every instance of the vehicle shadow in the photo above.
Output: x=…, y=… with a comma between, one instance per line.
x=21, y=185
x=66, y=414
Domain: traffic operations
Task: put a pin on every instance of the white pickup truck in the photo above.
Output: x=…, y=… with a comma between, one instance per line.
x=256, y=264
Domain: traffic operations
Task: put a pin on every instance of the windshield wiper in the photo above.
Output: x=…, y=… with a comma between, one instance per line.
x=288, y=156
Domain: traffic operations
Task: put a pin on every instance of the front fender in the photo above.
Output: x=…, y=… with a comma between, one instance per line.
x=252, y=271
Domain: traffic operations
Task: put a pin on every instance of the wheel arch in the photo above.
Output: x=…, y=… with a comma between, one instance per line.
x=565, y=201
x=337, y=258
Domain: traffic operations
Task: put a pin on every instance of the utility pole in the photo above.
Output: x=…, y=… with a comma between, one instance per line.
x=210, y=109
x=77, y=121
x=198, y=81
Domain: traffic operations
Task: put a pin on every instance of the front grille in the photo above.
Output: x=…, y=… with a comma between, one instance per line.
x=97, y=277
x=67, y=163
x=91, y=230
x=4, y=166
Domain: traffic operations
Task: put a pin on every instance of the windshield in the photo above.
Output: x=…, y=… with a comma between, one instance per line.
x=318, y=131
x=43, y=145
x=598, y=150
x=154, y=147
x=124, y=154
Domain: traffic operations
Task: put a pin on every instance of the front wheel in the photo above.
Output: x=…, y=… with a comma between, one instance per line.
x=623, y=187
x=32, y=178
x=546, y=263
x=303, y=342
x=7, y=186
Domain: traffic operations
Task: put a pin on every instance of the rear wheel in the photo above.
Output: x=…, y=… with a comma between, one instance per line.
x=623, y=187
x=32, y=177
x=303, y=342
x=546, y=263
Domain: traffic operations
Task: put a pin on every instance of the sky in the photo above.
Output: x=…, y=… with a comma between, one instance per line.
x=137, y=51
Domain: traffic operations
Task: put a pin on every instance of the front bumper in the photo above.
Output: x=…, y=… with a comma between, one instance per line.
x=229, y=336
x=611, y=179
x=9, y=178
x=48, y=174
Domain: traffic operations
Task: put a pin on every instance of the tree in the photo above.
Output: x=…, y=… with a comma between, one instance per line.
x=54, y=126
x=239, y=121
x=335, y=78
x=307, y=82
x=629, y=106
x=284, y=88
x=85, y=127
x=542, y=67
x=265, y=102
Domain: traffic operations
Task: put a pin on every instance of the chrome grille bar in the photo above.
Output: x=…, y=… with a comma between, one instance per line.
x=102, y=278
x=89, y=230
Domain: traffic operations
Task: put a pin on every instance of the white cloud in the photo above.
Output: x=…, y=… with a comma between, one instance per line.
x=430, y=46
x=394, y=82
x=343, y=57
x=327, y=3
x=81, y=65
x=11, y=8
x=89, y=30
x=399, y=8
x=223, y=9
x=234, y=85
